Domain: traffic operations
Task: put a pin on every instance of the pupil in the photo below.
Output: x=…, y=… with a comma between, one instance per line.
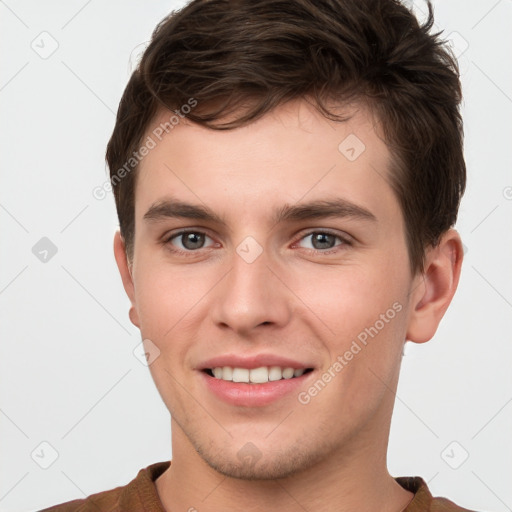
x=323, y=239
x=192, y=240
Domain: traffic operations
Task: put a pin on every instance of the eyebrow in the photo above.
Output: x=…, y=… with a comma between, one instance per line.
x=169, y=208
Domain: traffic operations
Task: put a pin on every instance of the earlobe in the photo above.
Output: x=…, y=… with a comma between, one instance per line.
x=126, y=275
x=433, y=290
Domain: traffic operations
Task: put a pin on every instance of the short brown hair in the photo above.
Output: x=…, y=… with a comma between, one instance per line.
x=243, y=58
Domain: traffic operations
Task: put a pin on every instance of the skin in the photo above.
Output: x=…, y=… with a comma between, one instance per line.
x=328, y=454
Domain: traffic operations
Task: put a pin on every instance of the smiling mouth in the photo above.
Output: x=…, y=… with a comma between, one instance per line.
x=260, y=375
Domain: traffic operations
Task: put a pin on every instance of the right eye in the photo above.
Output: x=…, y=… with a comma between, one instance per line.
x=190, y=241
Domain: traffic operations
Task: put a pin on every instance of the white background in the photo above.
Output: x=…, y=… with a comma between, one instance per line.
x=68, y=373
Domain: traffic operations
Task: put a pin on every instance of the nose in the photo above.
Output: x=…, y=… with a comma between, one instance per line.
x=251, y=295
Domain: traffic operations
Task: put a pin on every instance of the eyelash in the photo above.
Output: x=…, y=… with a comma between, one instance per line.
x=345, y=241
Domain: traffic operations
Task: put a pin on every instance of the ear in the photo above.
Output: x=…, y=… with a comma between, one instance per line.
x=433, y=289
x=125, y=269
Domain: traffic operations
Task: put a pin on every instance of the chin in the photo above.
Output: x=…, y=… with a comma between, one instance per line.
x=250, y=464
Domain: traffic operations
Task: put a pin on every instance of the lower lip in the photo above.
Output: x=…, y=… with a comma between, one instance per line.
x=252, y=395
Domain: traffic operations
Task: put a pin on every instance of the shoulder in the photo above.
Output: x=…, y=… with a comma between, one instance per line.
x=139, y=494
x=101, y=501
x=444, y=505
x=423, y=500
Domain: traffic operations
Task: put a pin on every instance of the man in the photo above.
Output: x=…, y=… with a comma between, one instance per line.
x=286, y=175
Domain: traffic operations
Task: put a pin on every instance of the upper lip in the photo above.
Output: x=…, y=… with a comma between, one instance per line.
x=250, y=362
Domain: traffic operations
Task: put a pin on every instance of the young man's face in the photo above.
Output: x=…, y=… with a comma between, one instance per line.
x=255, y=287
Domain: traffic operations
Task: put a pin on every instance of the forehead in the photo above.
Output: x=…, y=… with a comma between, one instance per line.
x=290, y=154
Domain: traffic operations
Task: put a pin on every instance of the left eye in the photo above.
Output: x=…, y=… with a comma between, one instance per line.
x=321, y=240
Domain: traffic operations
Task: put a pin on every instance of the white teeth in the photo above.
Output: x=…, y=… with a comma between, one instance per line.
x=287, y=373
x=240, y=375
x=227, y=373
x=256, y=375
x=259, y=375
x=275, y=373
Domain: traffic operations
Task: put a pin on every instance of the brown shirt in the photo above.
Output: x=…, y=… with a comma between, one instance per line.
x=140, y=495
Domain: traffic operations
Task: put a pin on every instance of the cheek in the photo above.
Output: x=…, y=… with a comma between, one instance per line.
x=171, y=306
x=165, y=294
x=166, y=303
x=349, y=299
x=160, y=301
x=366, y=316
x=364, y=308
